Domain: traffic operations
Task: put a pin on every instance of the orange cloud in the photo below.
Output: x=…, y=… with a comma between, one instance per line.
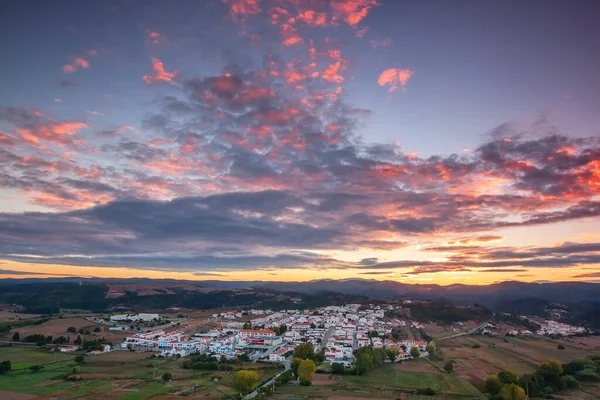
x=352, y=11
x=160, y=74
x=313, y=18
x=242, y=8
x=55, y=132
x=78, y=62
x=292, y=41
x=395, y=78
x=331, y=73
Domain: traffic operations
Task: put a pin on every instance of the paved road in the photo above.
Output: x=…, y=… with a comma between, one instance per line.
x=253, y=394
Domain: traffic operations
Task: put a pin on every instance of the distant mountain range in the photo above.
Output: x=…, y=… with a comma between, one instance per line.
x=488, y=295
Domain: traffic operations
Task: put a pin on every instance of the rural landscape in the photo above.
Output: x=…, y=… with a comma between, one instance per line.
x=63, y=354
x=300, y=199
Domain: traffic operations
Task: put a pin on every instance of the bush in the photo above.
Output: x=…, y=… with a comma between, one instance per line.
x=570, y=382
x=305, y=382
x=167, y=376
x=561, y=347
x=80, y=359
x=5, y=366
x=449, y=367
x=36, y=368
x=426, y=392
x=337, y=368
x=587, y=375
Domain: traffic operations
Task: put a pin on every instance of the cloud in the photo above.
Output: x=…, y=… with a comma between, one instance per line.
x=154, y=36
x=477, y=240
x=78, y=62
x=588, y=275
x=395, y=78
x=264, y=156
x=352, y=11
x=159, y=73
x=242, y=9
x=24, y=273
x=36, y=129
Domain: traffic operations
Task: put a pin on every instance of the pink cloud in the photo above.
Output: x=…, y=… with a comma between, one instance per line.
x=160, y=74
x=362, y=32
x=78, y=62
x=395, y=78
x=241, y=9
x=155, y=37
x=352, y=11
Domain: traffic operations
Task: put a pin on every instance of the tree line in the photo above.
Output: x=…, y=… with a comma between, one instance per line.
x=550, y=377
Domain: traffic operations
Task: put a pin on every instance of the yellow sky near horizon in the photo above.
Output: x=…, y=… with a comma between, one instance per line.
x=32, y=270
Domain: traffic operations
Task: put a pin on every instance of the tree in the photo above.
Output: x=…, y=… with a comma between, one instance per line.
x=16, y=336
x=430, y=348
x=337, y=368
x=392, y=354
x=561, y=347
x=449, y=367
x=71, y=329
x=80, y=359
x=295, y=364
x=492, y=385
x=551, y=368
x=244, y=357
x=77, y=341
x=436, y=341
x=97, y=329
x=307, y=369
x=248, y=325
x=512, y=392
x=244, y=381
x=507, y=376
x=364, y=363
x=414, y=352
x=304, y=351
x=5, y=366
x=166, y=377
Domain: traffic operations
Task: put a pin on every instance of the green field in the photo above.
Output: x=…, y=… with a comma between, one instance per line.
x=118, y=375
x=386, y=381
x=25, y=356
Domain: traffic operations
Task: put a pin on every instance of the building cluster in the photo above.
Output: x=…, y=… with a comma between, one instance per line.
x=134, y=317
x=558, y=328
x=335, y=330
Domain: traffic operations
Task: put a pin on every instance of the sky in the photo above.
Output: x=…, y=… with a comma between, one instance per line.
x=414, y=141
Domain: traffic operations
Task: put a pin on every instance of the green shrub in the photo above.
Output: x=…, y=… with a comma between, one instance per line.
x=305, y=382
